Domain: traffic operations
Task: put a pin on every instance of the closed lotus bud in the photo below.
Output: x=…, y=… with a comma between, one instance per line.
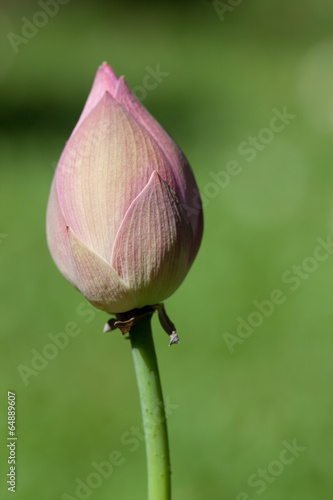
x=124, y=218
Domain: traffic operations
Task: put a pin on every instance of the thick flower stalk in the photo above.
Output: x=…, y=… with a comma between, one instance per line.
x=121, y=225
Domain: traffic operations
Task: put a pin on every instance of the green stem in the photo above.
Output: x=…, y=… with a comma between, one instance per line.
x=153, y=413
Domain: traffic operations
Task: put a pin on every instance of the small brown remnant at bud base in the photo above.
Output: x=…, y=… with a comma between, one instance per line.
x=125, y=321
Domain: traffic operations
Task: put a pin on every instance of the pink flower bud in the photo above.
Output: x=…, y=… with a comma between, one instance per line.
x=121, y=223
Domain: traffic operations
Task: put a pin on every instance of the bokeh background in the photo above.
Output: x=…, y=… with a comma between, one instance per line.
x=235, y=397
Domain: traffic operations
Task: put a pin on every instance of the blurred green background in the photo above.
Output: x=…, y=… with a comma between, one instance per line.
x=234, y=400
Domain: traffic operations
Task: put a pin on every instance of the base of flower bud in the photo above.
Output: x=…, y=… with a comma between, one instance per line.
x=126, y=321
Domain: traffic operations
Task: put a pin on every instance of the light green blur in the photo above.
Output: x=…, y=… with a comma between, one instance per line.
x=235, y=395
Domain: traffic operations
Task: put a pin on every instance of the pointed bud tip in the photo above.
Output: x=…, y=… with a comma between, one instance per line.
x=106, y=68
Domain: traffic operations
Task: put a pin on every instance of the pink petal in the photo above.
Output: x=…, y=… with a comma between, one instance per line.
x=153, y=246
x=57, y=234
x=186, y=187
x=96, y=279
x=105, y=80
x=105, y=165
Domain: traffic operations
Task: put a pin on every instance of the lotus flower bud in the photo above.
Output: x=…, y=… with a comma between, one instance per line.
x=121, y=226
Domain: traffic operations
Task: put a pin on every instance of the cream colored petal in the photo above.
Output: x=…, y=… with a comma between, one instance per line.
x=105, y=165
x=105, y=81
x=153, y=246
x=96, y=279
x=57, y=235
x=186, y=187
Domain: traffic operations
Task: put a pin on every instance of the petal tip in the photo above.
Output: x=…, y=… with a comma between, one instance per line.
x=106, y=69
